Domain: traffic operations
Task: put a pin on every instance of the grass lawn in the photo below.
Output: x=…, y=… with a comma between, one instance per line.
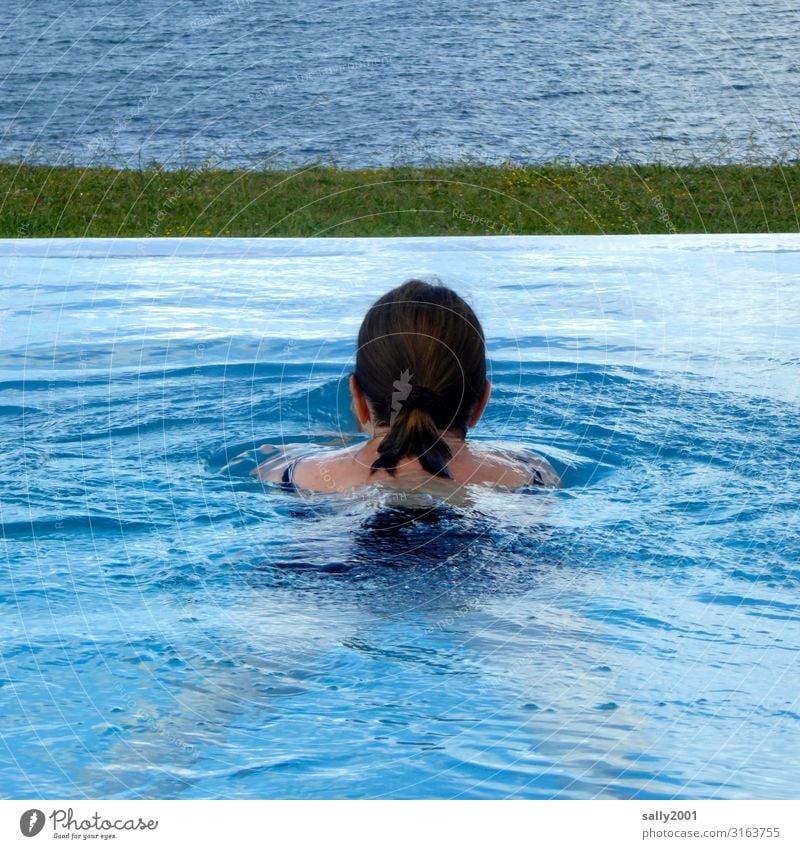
x=446, y=200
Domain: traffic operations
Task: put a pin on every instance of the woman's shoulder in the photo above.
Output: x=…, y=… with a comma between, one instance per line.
x=512, y=467
x=541, y=471
x=329, y=470
x=493, y=465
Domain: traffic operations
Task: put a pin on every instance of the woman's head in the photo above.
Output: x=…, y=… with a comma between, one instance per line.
x=421, y=370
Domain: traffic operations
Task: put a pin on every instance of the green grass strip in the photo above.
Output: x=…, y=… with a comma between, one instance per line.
x=447, y=200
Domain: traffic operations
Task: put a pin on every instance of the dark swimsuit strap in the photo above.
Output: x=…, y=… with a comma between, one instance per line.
x=537, y=478
x=287, y=479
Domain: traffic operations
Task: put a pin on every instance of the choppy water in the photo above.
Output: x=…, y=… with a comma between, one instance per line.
x=168, y=631
x=367, y=82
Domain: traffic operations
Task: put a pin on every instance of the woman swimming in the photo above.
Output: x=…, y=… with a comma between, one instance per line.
x=419, y=385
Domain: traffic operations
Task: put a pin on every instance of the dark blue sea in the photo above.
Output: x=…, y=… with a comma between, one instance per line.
x=362, y=83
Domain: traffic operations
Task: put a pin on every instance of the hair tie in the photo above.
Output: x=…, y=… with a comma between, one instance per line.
x=422, y=398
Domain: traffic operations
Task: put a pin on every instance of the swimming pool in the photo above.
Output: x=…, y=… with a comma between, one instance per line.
x=169, y=631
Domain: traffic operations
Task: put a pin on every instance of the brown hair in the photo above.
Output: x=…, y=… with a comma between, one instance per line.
x=421, y=364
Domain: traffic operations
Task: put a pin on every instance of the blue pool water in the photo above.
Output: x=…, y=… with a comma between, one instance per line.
x=171, y=631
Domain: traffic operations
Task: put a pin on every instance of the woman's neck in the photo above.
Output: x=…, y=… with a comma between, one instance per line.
x=450, y=436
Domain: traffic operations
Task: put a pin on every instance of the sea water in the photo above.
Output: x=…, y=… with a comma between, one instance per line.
x=173, y=629
x=363, y=83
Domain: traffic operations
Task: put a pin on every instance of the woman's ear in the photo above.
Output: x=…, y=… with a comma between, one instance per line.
x=477, y=411
x=360, y=406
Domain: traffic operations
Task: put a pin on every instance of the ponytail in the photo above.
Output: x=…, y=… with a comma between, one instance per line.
x=414, y=433
x=429, y=333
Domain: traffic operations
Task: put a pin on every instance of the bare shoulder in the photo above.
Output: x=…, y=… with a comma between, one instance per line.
x=322, y=470
x=512, y=468
x=329, y=471
x=541, y=471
